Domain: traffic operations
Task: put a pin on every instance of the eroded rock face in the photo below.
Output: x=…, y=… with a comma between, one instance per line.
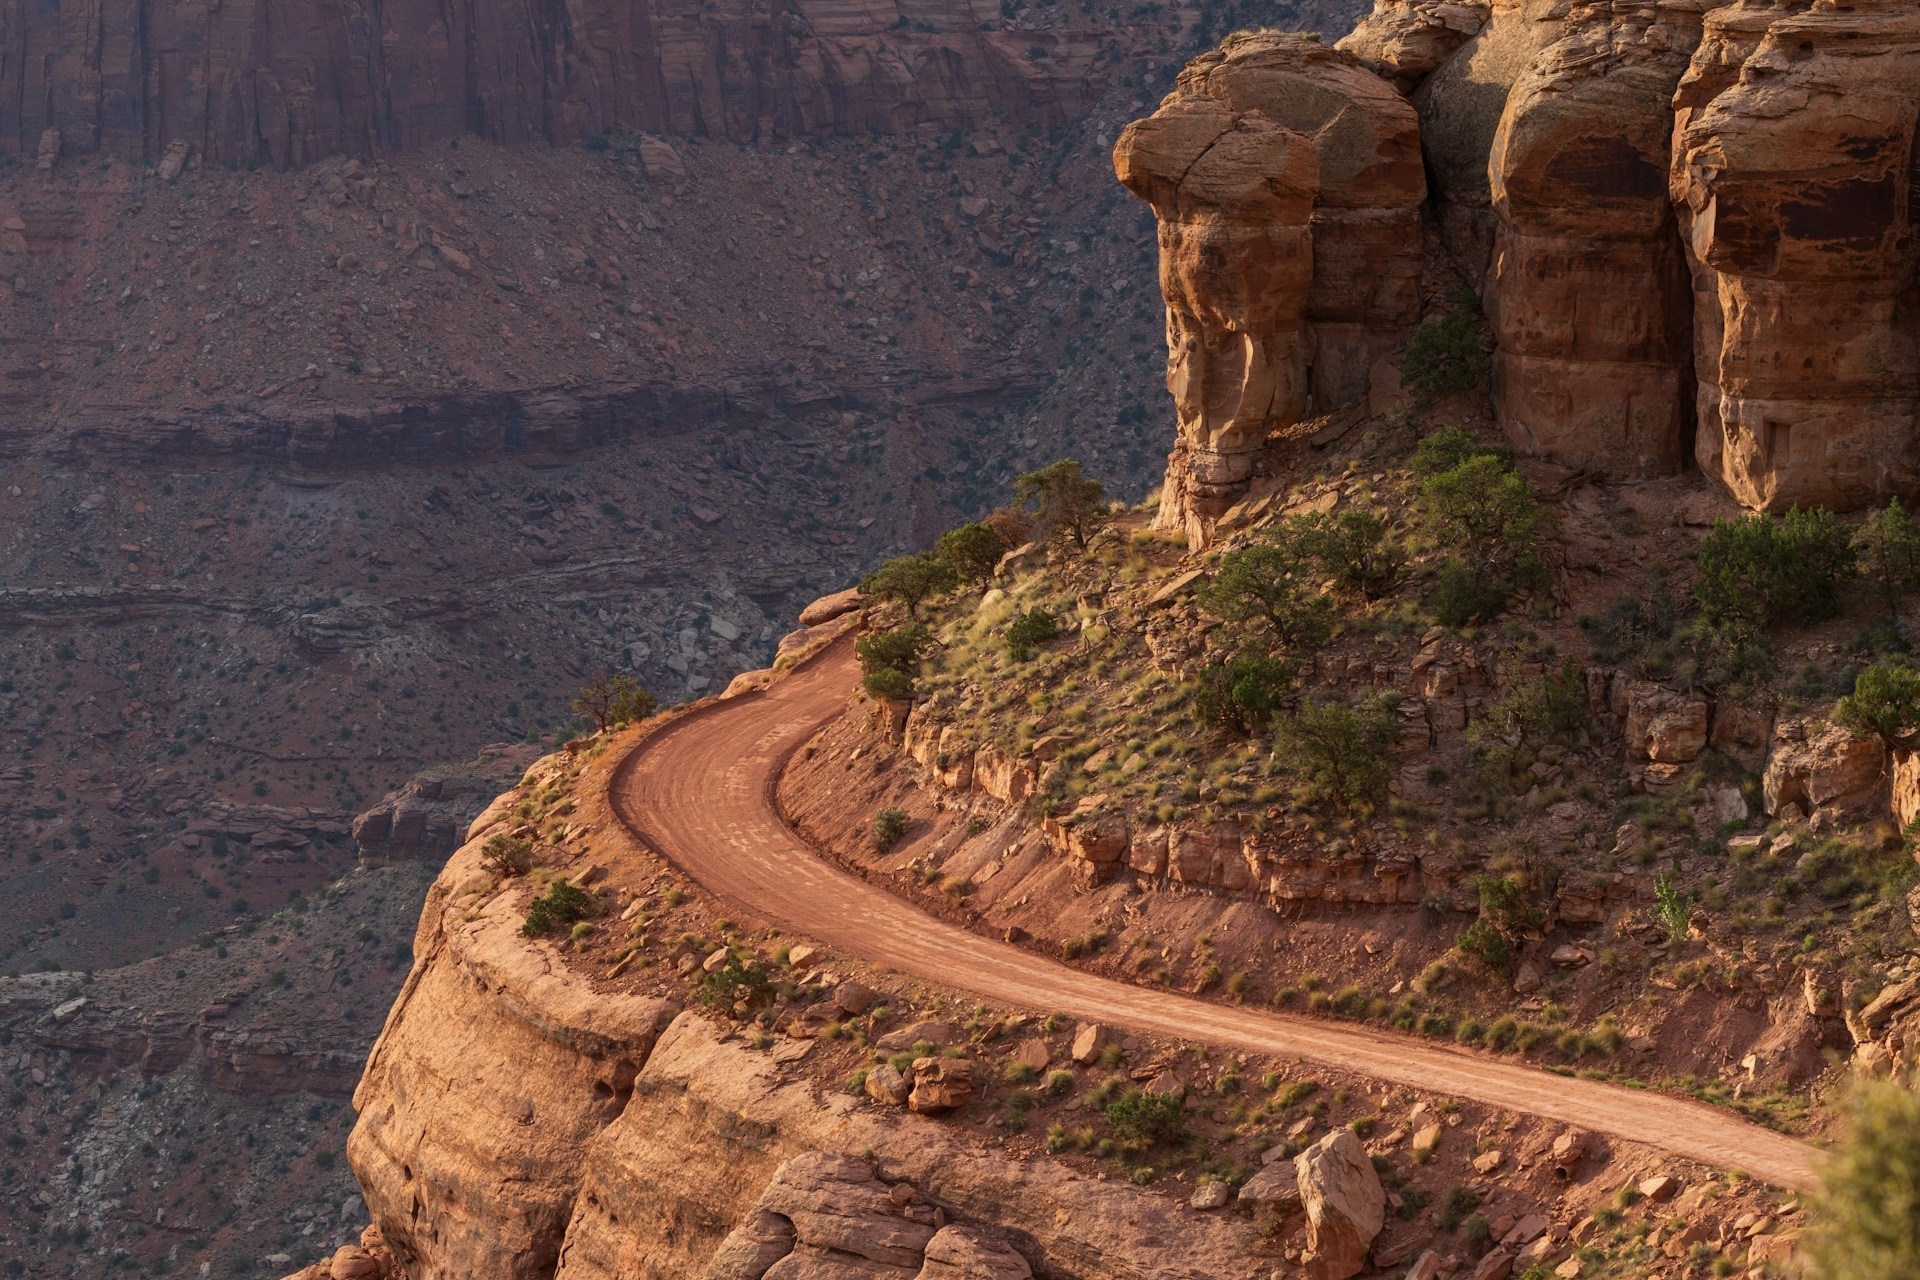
x=1406, y=40
x=1287, y=181
x=1234, y=196
x=1345, y=1203
x=1588, y=289
x=1793, y=167
x=257, y=83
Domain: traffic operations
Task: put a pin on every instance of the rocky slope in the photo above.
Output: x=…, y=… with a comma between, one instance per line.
x=1658, y=204
x=664, y=1092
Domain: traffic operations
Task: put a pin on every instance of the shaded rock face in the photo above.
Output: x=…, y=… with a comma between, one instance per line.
x=1287, y=183
x=428, y=818
x=264, y=84
x=1692, y=222
x=1588, y=290
x=1794, y=167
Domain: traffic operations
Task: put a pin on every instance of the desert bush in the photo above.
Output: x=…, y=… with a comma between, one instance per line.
x=1461, y=595
x=563, y=905
x=1243, y=694
x=1867, y=1216
x=1489, y=946
x=973, y=551
x=911, y=580
x=1354, y=548
x=739, y=980
x=1028, y=631
x=1758, y=571
x=1268, y=583
x=1887, y=550
x=613, y=700
x=1671, y=909
x=1445, y=355
x=1530, y=714
x=1339, y=750
x=506, y=856
x=1486, y=509
x=1447, y=448
x=889, y=825
x=888, y=658
x=1885, y=703
x=1140, y=1118
x=1064, y=501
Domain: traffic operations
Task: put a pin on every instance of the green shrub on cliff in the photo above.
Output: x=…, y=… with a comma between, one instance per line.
x=1065, y=503
x=615, y=700
x=1339, y=751
x=563, y=904
x=1244, y=694
x=888, y=659
x=1268, y=584
x=1445, y=356
x=910, y=580
x=1885, y=703
x=973, y=551
x=1028, y=631
x=1867, y=1220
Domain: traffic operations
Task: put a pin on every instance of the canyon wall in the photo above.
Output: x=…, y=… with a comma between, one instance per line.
x=264, y=83
x=1690, y=225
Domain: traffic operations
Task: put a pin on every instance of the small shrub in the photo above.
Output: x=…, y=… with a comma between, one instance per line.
x=1445, y=355
x=1672, y=909
x=1339, y=751
x=1455, y=1204
x=1269, y=584
x=1243, y=694
x=1887, y=549
x=1885, y=703
x=739, y=980
x=1489, y=946
x=888, y=659
x=910, y=580
x=1059, y=1083
x=1028, y=632
x=1065, y=503
x=889, y=825
x=563, y=904
x=1354, y=548
x=1141, y=1118
x=615, y=700
x=1756, y=572
x=506, y=856
x=972, y=551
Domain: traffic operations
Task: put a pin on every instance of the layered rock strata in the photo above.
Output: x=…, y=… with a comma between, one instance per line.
x=1588, y=290
x=259, y=84
x=1287, y=183
x=1794, y=170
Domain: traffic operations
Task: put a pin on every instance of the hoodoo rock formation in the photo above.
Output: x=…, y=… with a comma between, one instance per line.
x=1288, y=185
x=261, y=84
x=1584, y=161
x=1794, y=170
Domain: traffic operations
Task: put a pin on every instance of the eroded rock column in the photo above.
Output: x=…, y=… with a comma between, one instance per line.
x=1588, y=289
x=1233, y=193
x=1793, y=169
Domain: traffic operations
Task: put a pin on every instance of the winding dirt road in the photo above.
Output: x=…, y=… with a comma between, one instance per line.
x=701, y=793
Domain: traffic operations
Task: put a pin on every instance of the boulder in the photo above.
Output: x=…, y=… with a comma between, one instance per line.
x=1825, y=769
x=836, y=1202
x=1345, y=1205
x=940, y=1084
x=762, y=1239
x=887, y=1086
x=959, y=1252
x=827, y=608
x=1089, y=1040
x=1403, y=41
x=931, y=1031
x=1273, y=1194
x=351, y=1262
x=1662, y=725
x=1212, y=1194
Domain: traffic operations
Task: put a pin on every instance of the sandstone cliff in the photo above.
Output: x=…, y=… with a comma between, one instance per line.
x=1690, y=225
x=260, y=84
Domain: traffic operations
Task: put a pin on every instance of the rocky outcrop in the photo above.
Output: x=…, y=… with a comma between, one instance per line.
x=1588, y=290
x=253, y=84
x=1793, y=167
x=1822, y=771
x=1234, y=197
x=1346, y=1205
x=1287, y=183
x=1692, y=222
x=428, y=818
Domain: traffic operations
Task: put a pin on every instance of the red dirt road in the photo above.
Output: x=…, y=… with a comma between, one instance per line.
x=700, y=793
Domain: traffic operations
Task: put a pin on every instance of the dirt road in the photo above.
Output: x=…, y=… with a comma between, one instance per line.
x=700, y=793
